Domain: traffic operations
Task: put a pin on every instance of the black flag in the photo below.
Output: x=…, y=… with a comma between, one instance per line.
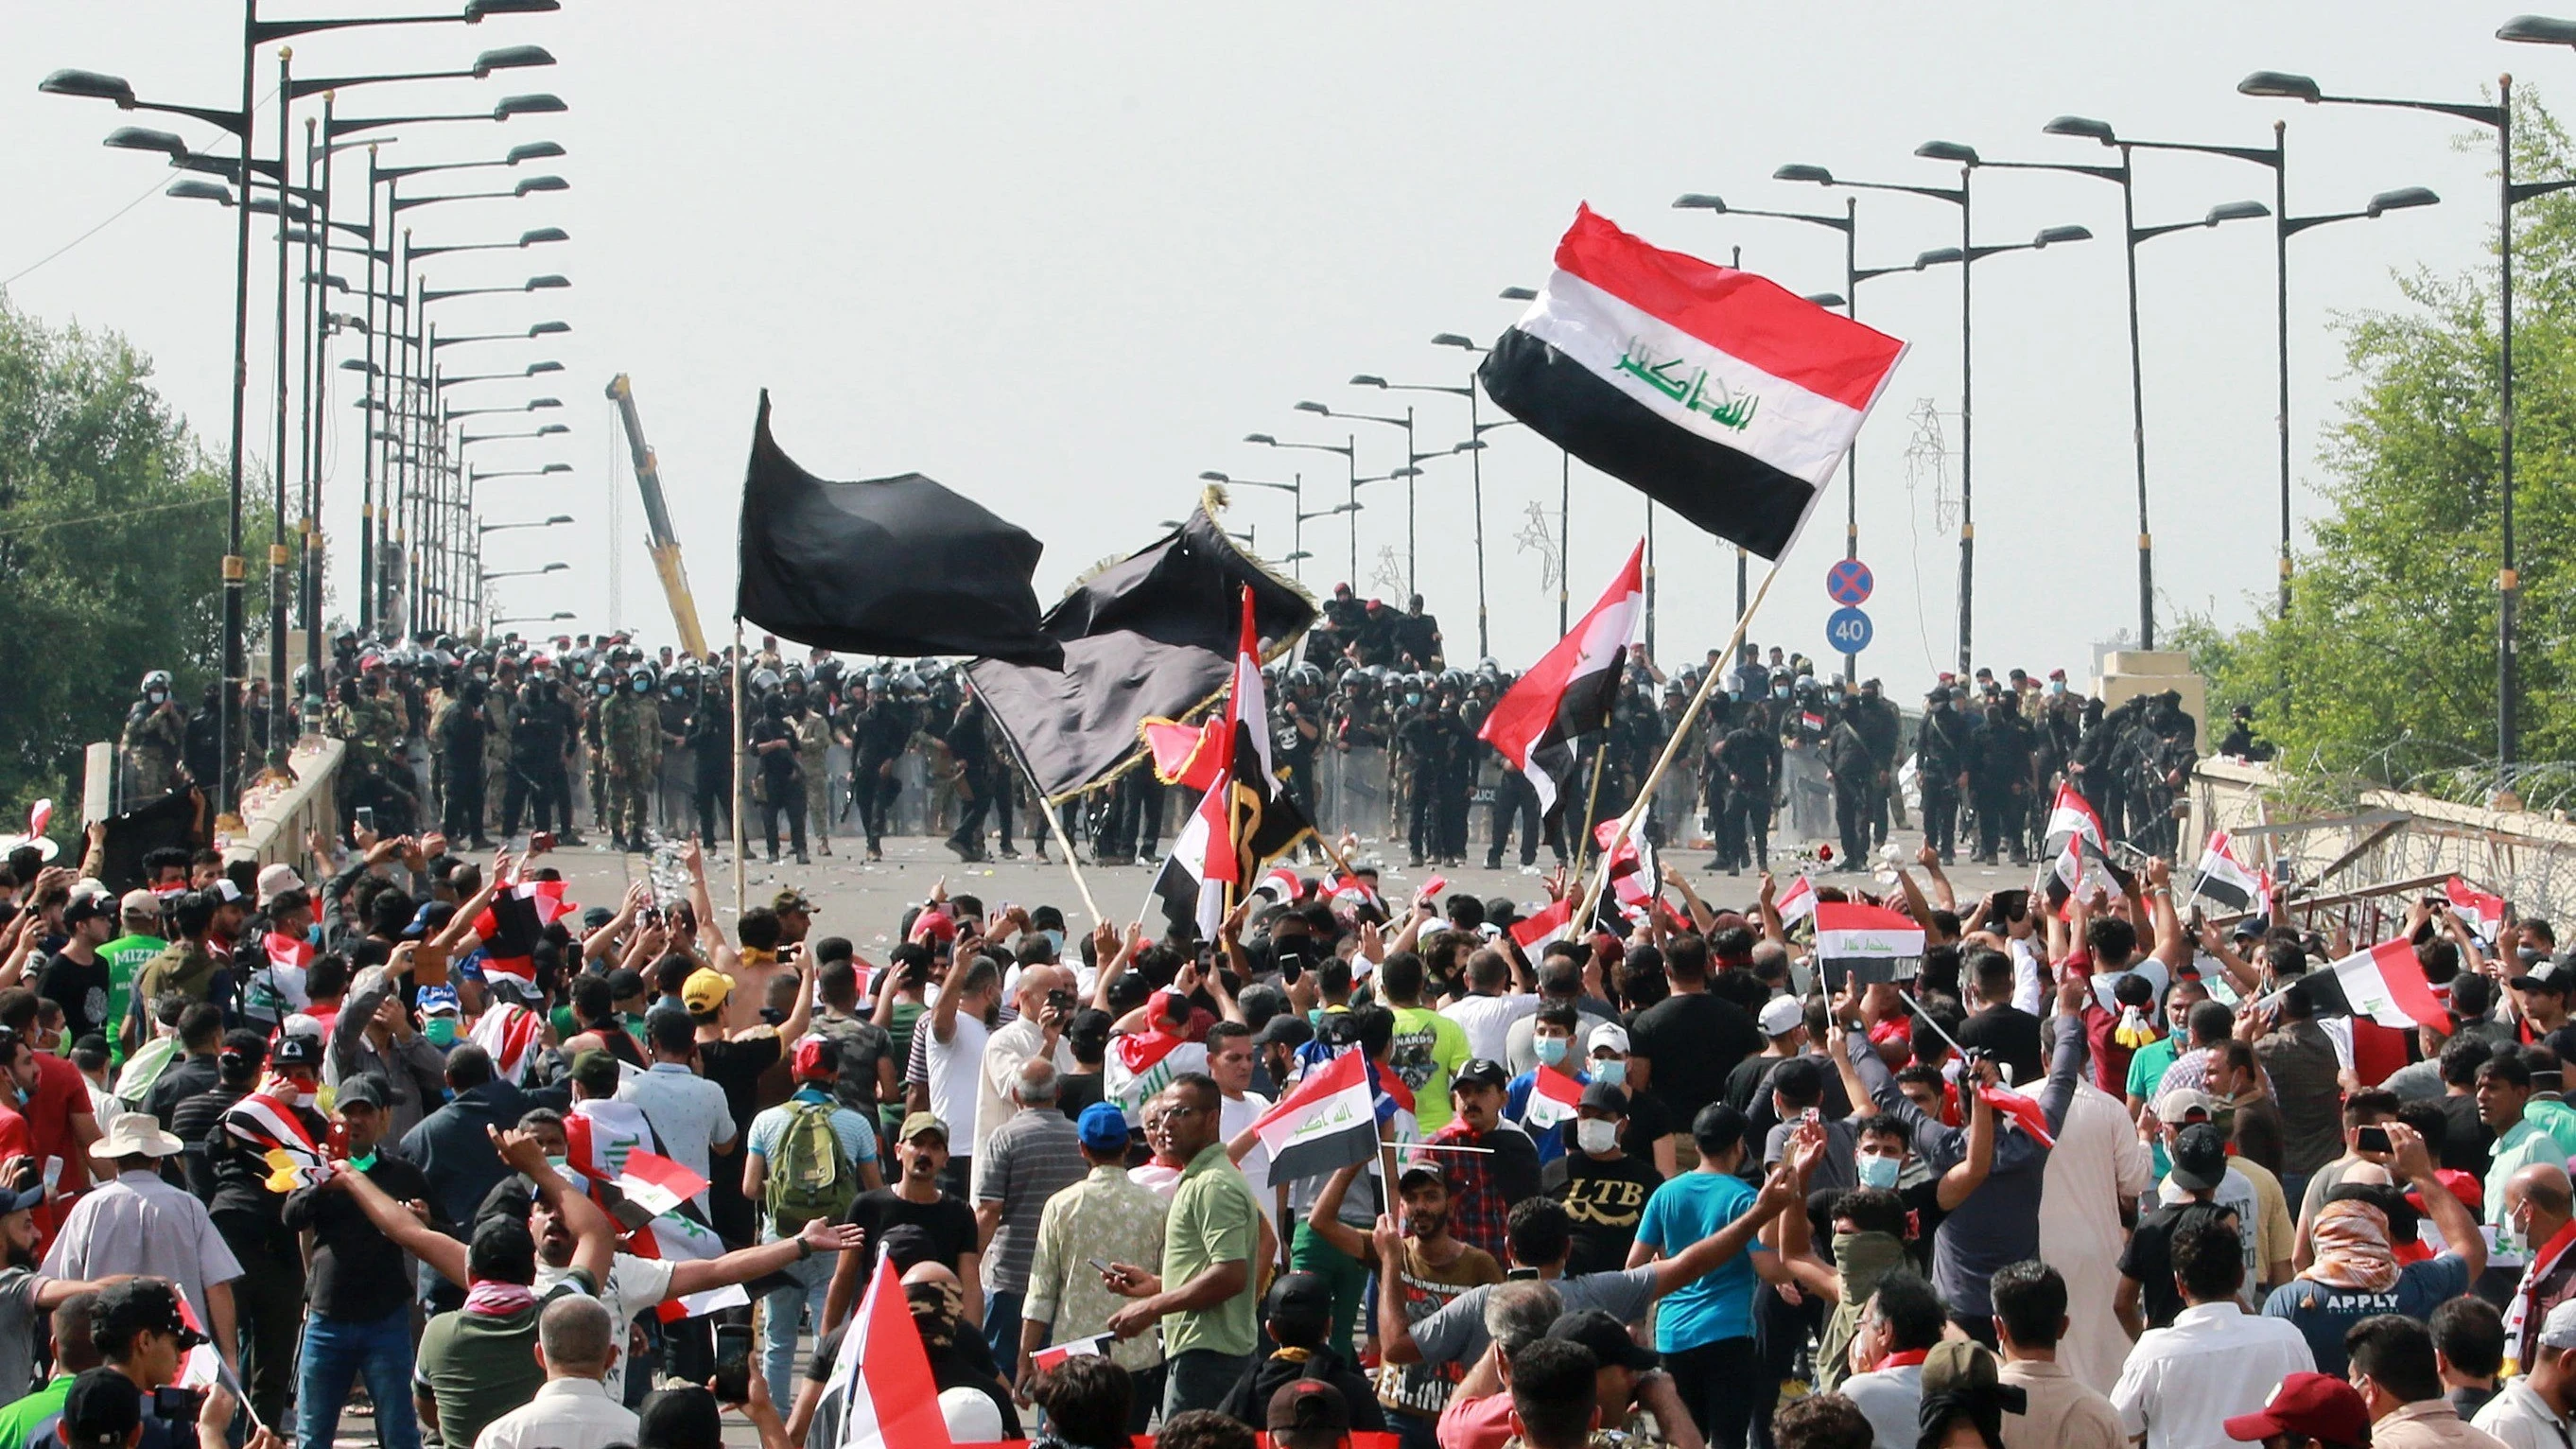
x=1150, y=636
x=882, y=566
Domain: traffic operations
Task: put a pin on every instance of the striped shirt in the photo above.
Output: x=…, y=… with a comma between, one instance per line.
x=1028, y=1160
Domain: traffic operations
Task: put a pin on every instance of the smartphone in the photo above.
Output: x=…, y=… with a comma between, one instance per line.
x=540, y=842
x=335, y=1143
x=2371, y=1139
x=1098, y=1266
x=366, y=818
x=733, y=1363
x=176, y=1405
x=1810, y=1115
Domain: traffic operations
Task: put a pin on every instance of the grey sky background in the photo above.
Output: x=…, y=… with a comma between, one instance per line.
x=1062, y=258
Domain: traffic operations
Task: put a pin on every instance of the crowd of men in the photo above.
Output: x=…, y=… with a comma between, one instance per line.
x=479, y=738
x=2092, y=1171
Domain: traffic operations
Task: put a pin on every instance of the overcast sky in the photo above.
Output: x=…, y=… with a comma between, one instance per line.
x=1062, y=258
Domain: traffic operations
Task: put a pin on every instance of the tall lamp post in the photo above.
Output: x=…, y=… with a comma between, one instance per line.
x=2281, y=85
x=1476, y=432
x=1407, y=470
x=1564, y=497
x=1472, y=448
x=1349, y=448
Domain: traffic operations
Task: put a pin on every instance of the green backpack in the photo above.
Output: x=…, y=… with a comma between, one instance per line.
x=810, y=1176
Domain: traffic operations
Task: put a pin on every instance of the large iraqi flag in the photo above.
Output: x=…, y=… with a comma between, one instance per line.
x=1571, y=689
x=1717, y=393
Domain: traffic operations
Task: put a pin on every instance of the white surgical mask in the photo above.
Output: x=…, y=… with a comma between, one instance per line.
x=1875, y=1171
x=1595, y=1135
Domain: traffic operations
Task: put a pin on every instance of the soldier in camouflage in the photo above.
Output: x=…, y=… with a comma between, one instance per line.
x=156, y=736
x=630, y=733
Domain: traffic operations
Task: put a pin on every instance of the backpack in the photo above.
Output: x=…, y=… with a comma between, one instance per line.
x=810, y=1175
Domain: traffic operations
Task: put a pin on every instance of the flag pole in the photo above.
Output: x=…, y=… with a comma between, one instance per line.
x=1681, y=734
x=1591, y=799
x=1055, y=823
x=741, y=743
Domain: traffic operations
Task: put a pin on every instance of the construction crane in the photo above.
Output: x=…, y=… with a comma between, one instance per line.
x=662, y=543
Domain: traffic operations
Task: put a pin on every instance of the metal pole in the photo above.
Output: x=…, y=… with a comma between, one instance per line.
x=1967, y=435
x=1476, y=473
x=1412, y=475
x=277, y=553
x=2508, y=585
x=317, y=262
x=228, y=720
x=736, y=691
x=2281, y=322
x=2138, y=410
x=1296, y=545
x=1649, y=579
x=1351, y=460
x=367, y=447
x=1564, y=520
x=1851, y=469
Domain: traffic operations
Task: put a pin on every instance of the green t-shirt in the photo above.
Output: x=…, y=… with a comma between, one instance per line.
x=1211, y=1221
x=905, y=1013
x=2147, y=1067
x=124, y=956
x=477, y=1366
x=1429, y=1050
x=23, y=1421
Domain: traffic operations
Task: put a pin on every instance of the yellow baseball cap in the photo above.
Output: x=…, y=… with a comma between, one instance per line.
x=705, y=990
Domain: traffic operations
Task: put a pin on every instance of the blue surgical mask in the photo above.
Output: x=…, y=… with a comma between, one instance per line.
x=313, y=933
x=1551, y=1049
x=1875, y=1171
x=1055, y=941
x=1779, y=691
x=1613, y=1070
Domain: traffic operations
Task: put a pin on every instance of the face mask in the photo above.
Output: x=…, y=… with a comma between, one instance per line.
x=643, y=686
x=363, y=1163
x=677, y=692
x=1611, y=1070
x=157, y=696
x=1055, y=941
x=1551, y=1049
x=313, y=933
x=1875, y=1171
x=606, y=689
x=562, y=1166
x=1594, y=1135
x=2056, y=687
x=1780, y=692
x=441, y=1031
x=306, y=1100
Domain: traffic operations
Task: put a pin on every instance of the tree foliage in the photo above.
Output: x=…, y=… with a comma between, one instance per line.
x=2386, y=664
x=112, y=523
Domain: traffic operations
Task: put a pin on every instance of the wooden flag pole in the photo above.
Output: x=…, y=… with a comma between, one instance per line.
x=1673, y=746
x=1591, y=801
x=1054, y=822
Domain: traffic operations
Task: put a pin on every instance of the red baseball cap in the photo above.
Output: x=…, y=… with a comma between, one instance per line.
x=2318, y=1406
x=934, y=923
x=816, y=1058
x=1170, y=1006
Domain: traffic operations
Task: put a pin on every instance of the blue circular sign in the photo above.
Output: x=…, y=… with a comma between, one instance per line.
x=1849, y=581
x=1849, y=630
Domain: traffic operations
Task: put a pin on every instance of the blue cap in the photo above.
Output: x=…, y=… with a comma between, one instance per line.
x=1103, y=1127
x=435, y=999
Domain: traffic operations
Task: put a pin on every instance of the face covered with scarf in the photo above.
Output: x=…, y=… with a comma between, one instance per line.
x=2353, y=1248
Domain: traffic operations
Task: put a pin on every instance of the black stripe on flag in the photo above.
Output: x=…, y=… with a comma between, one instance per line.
x=2224, y=893
x=1731, y=494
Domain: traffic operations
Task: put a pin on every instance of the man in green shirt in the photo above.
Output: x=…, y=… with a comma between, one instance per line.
x=139, y=911
x=1209, y=1239
x=2147, y=1064
x=26, y=1421
x=1429, y=1048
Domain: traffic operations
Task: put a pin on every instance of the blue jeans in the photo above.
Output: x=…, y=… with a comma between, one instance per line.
x=1002, y=1326
x=784, y=1310
x=336, y=1352
x=1199, y=1379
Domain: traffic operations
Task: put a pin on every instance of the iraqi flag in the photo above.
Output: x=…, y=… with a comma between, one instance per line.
x=1282, y=885
x=510, y=1034
x=2483, y=913
x=656, y=1182
x=1326, y=1123
x=1245, y=819
x=2223, y=880
x=1628, y=866
x=2386, y=983
x=1797, y=902
x=1552, y=1099
x=1191, y=884
x=598, y=1135
x=1868, y=944
x=1534, y=932
x=889, y=1399
x=2078, y=848
x=1570, y=690
x=272, y=1131
x=510, y=927
x=1717, y=393
x=1053, y=1357
x=2022, y=1110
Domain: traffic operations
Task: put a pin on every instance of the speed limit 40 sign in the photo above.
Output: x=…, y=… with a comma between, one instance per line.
x=1848, y=629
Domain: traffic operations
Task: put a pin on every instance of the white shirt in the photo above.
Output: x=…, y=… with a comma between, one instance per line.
x=565, y=1414
x=1234, y=1114
x=688, y=1113
x=1008, y=1050
x=635, y=1285
x=2523, y=1420
x=2184, y=1383
x=956, y=1075
x=1891, y=1399
x=1487, y=1020
x=2098, y=1164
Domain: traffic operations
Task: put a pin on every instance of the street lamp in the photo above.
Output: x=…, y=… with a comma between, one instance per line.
x=548, y=283
x=538, y=237
x=534, y=404
x=538, y=104
x=531, y=370
x=560, y=518
x=546, y=431
x=548, y=469
x=554, y=618
x=1296, y=491
x=488, y=575
x=1406, y=471
x=1349, y=449
x=2281, y=85
x=1476, y=471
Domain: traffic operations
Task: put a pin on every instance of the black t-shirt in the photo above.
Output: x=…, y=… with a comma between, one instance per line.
x=1694, y=1041
x=1077, y=1090
x=2149, y=1259
x=777, y=766
x=1604, y=1199
x=2467, y=1144
x=80, y=990
x=358, y=1274
x=1648, y=1124
x=950, y=1223
x=736, y=1066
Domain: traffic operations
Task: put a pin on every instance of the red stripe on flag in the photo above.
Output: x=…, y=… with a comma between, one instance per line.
x=1747, y=317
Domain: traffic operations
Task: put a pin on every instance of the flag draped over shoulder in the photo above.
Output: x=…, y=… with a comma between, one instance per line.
x=894, y=565
x=1717, y=393
x=1571, y=689
x=1149, y=637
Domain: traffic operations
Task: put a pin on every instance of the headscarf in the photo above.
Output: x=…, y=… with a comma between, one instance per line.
x=1862, y=1259
x=2352, y=1248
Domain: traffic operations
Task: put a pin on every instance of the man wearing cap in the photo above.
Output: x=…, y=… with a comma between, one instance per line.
x=775, y=1134
x=138, y=1223
x=2148, y=1297
x=2537, y=1409
x=1295, y=1319
x=1104, y=1216
x=76, y=977
x=1308, y=1413
x=916, y=1200
x=358, y=1296
x=2310, y=1411
x=1604, y=1188
x=25, y=1294
x=269, y=1297
x=1483, y=1185
x=139, y=911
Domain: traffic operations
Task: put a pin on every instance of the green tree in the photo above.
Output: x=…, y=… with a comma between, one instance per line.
x=111, y=547
x=2385, y=667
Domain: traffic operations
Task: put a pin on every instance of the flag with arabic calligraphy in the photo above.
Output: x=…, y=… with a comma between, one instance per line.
x=1715, y=392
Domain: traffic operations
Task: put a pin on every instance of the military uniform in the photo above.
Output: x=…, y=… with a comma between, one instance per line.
x=813, y=731
x=372, y=733
x=1940, y=757
x=155, y=738
x=630, y=737
x=461, y=733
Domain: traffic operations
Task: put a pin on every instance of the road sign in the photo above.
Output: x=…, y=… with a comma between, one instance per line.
x=1849, y=629
x=1849, y=582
